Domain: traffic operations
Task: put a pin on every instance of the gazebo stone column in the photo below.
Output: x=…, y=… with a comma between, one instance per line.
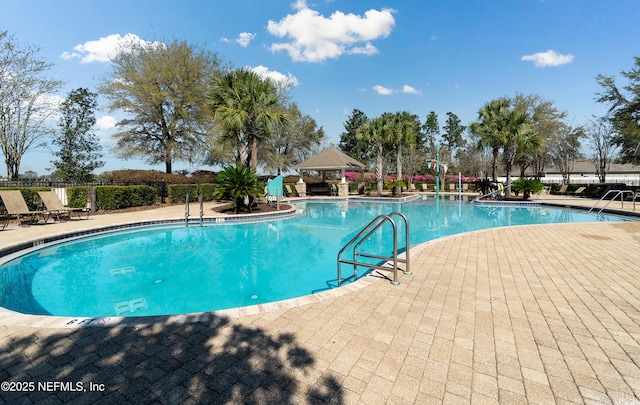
x=301, y=187
x=343, y=189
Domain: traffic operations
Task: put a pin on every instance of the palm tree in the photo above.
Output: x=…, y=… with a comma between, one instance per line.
x=375, y=132
x=248, y=108
x=490, y=129
x=402, y=133
x=518, y=137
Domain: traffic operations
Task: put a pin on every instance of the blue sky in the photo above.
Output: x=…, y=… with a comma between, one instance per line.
x=376, y=56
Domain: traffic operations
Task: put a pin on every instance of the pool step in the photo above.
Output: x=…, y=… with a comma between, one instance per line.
x=126, y=307
x=122, y=270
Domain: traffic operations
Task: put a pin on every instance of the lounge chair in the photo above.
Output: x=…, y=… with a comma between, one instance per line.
x=17, y=208
x=57, y=209
x=578, y=192
x=562, y=191
x=412, y=187
x=288, y=190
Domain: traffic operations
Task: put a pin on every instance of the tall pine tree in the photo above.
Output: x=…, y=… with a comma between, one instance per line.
x=350, y=143
x=79, y=148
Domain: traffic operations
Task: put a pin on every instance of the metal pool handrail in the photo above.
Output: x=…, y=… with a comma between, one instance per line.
x=372, y=227
x=187, y=211
x=620, y=193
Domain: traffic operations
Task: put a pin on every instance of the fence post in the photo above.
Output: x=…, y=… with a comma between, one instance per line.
x=92, y=199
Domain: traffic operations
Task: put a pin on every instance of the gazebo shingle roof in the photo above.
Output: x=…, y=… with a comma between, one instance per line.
x=330, y=159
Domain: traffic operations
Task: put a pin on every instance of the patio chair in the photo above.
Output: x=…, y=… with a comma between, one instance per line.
x=579, y=192
x=425, y=187
x=562, y=191
x=412, y=187
x=17, y=208
x=57, y=209
x=5, y=218
x=287, y=189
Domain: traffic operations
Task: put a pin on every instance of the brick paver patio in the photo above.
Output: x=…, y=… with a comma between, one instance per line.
x=536, y=314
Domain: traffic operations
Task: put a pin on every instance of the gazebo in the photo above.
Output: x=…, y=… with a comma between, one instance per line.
x=328, y=160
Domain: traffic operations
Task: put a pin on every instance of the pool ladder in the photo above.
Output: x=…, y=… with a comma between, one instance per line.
x=186, y=209
x=620, y=193
x=363, y=235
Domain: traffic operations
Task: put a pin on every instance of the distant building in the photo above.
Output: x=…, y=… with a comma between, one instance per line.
x=584, y=172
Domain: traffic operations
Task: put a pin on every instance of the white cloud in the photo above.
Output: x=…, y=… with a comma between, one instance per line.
x=287, y=81
x=315, y=38
x=106, y=122
x=103, y=49
x=410, y=90
x=244, y=38
x=384, y=91
x=549, y=58
x=368, y=49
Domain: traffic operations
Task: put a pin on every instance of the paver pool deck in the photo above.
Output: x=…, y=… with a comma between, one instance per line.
x=532, y=314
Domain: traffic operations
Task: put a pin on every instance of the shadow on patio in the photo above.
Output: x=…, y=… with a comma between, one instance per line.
x=213, y=362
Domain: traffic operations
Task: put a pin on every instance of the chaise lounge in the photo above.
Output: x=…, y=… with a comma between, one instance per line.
x=57, y=209
x=17, y=208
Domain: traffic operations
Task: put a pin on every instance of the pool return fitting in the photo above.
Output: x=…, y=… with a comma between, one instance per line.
x=362, y=236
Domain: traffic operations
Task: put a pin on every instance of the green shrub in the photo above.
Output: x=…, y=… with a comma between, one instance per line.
x=178, y=192
x=207, y=191
x=143, y=195
x=77, y=197
x=394, y=184
x=236, y=184
x=117, y=197
x=527, y=186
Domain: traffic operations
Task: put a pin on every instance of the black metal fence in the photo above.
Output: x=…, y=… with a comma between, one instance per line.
x=161, y=186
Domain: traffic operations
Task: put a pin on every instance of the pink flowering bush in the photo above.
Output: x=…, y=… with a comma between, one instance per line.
x=356, y=177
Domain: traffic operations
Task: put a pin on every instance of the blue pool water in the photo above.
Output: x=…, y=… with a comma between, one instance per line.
x=178, y=269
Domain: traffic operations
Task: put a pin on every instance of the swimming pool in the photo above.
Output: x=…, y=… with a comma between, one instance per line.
x=177, y=269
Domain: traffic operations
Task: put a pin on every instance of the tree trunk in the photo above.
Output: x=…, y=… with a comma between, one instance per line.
x=510, y=158
x=243, y=150
x=254, y=153
x=494, y=166
x=13, y=170
x=380, y=179
x=398, y=191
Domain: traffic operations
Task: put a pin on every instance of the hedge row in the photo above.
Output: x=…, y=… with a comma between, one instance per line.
x=178, y=192
x=117, y=197
x=77, y=197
